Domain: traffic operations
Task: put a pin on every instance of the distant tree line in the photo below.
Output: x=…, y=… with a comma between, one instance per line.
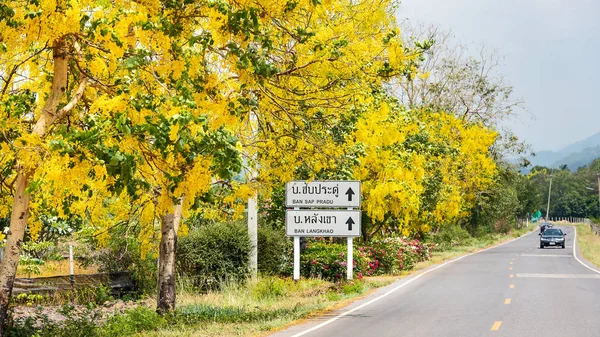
x=573, y=194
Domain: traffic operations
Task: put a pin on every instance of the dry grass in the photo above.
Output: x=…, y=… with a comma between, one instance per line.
x=56, y=268
x=589, y=244
x=288, y=301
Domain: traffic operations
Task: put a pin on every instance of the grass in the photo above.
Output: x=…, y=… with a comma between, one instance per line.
x=261, y=306
x=589, y=244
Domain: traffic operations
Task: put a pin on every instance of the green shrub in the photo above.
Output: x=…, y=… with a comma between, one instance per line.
x=132, y=321
x=274, y=251
x=451, y=236
x=352, y=287
x=32, y=264
x=268, y=287
x=213, y=254
x=43, y=250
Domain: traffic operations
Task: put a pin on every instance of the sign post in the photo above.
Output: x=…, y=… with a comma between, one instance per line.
x=296, y=258
x=350, y=263
x=306, y=219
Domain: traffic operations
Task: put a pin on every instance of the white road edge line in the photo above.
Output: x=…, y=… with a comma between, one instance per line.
x=333, y=319
x=575, y=252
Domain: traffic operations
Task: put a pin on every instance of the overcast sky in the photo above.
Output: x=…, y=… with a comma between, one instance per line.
x=551, y=56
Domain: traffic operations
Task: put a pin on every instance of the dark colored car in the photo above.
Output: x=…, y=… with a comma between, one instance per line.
x=545, y=226
x=552, y=237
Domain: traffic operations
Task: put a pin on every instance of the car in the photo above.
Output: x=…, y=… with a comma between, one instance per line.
x=545, y=226
x=552, y=237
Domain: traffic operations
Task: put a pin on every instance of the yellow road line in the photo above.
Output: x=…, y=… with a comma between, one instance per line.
x=496, y=326
x=507, y=301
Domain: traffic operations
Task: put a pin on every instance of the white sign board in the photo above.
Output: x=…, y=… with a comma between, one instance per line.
x=307, y=222
x=323, y=194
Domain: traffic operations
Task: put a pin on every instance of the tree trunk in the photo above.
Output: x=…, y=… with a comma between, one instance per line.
x=20, y=209
x=166, y=260
x=14, y=239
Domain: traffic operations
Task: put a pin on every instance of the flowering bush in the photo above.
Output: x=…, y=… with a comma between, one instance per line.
x=392, y=255
x=326, y=260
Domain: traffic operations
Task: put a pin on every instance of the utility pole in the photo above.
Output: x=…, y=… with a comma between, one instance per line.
x=549, y=192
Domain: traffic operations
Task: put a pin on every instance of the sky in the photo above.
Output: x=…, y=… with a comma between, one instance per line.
x=550, y=52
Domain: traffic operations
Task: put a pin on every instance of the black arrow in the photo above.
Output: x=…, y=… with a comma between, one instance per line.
x=350, y=222
x=350, y=193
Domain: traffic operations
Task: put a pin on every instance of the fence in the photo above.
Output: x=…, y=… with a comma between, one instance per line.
x=118, y=283
x=569, y=219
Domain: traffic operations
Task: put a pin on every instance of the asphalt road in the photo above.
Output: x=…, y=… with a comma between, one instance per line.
x=516, y=289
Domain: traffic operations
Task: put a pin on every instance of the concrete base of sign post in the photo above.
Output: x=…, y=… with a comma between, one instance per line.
x=296, y=258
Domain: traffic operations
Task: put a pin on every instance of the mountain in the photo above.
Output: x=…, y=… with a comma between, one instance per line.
x=574, y=156
x=579, y=159
x=589, y=142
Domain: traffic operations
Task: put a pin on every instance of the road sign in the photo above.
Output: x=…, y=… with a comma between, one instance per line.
x=323, y=194
x=312, y=222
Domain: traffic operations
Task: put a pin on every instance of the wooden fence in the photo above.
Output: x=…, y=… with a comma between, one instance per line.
x=118, y=283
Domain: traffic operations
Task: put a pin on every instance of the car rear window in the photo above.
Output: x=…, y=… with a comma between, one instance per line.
x=552, y=231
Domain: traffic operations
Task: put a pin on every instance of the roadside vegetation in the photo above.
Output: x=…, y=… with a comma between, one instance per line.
x=234, y=304
x=138, y=133
x=574, y=193
x=588, y=242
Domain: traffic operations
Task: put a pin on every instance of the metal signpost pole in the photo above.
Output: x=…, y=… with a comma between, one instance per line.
x=349, y=266
x=296, y=256
x=350, y=263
